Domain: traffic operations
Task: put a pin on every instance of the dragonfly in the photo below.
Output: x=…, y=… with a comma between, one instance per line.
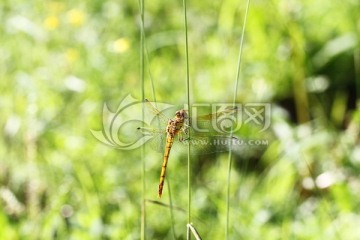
x=179, y=126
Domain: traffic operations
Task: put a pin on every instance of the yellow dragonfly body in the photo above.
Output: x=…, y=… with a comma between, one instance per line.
x=174, y=127
x=179, y=125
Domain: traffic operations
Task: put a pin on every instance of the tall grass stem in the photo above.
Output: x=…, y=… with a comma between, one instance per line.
x=189, y=113
x=142, y=79
x=237, y=80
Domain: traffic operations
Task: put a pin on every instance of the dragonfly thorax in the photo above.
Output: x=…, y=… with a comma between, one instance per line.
x=174, y=125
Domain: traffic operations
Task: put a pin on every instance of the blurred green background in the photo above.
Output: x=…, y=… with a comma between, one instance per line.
x=60, y=61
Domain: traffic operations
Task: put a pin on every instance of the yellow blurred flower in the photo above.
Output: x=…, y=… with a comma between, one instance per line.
x=51, y=22
x=76, y=17
x=71, y=55
x=121, y=45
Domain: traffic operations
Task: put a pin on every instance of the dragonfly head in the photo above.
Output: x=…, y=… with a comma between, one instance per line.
x=181, y=114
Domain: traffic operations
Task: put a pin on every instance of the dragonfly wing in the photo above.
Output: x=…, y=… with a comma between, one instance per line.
x=157, y=138
x=227, y=112
x=155, y=128
x=158, y=115
x=220, y=122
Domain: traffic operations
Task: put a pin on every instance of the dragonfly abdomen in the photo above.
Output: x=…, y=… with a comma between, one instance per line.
x=173, y=127
x=169, y=143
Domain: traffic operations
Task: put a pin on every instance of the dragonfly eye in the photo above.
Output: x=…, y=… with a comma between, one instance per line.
x=181, y=113
x=184, y=114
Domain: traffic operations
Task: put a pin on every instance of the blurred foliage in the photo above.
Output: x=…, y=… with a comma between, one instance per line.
x=60, y=61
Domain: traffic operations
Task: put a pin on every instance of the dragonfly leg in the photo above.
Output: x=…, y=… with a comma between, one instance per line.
x=183, y=132
x=181, y=137
x=185, y=128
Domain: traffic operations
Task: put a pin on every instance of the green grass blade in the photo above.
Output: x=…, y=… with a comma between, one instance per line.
x=189, y=113
x=231, y=133
x=142, y=79
x=193, y=231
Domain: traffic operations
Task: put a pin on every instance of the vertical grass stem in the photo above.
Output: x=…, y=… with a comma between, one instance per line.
x=142, y=79
x=231, y=132
x=189, y=112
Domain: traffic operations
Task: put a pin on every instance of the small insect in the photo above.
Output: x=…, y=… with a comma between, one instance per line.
x=179, y=127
